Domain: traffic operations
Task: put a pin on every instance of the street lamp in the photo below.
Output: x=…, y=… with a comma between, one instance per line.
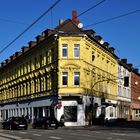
x=92, y=98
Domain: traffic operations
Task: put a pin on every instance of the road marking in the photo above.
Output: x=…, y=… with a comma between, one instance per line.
x=26, y=139
x=86, y=135
x=52, y=137
x=120, y=139
x=97, y=132
x=9, y=136
x=119, y=134
x=37, y=135
x=110, y=138
x=23, y=132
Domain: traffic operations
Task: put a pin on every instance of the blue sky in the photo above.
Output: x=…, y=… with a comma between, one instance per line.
x=122, y=33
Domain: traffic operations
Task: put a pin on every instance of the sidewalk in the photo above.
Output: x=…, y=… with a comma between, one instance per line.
x=131, y=125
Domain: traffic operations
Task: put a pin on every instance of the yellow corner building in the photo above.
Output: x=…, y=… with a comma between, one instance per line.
x=66, y=71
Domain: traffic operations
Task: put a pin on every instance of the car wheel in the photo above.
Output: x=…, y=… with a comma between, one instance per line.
x=46, y=126
x=43, y=126
x=25, y=128
x=56, y=126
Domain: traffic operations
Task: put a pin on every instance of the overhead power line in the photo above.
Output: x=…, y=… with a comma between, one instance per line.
x=113, y=18
x=94, y=6
x=7, y=46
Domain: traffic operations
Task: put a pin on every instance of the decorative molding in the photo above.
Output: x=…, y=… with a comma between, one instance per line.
x=70, y=66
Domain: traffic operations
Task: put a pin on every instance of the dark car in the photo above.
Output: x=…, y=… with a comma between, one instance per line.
x=45, y=122
x=15, y=123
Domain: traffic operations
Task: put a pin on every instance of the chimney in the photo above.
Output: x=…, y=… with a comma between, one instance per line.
x=124, y=61
x=74, y=17
x=32, y=44
x=106, y=44
x=98, y=38
x=112, y=50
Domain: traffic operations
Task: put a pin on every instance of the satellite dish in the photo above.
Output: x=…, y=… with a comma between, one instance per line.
x=80, y=25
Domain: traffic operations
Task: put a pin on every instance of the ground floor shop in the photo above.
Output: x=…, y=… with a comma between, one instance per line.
x=77, y=110
x=31, y=109
x=124, y=110
x=80, y=110
x=135, y=111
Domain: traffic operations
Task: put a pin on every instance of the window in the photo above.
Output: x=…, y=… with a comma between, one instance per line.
x=23, y=69
x=35, y=62
x=76, y=78
x=111, y=112
x=65, y=78
x=40, y=60
x=52, y=53
x=30, y=63
x=137, y=113
x=64, y=50
x=76, y=50
x=93, y=56
x=70, y=113
x=27, y=70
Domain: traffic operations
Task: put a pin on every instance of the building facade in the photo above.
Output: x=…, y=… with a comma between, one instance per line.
x=28, y=80
x=66, y=71
x=124, y=92
x=135, y=94
x=87, y=76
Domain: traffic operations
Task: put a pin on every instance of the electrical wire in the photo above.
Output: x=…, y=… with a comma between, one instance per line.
x=113, y=18
x=7, y=46
x=94, y=6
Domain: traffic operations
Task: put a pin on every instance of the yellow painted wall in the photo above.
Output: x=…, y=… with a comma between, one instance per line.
x=104, y=66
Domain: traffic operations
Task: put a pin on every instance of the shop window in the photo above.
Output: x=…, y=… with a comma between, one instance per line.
x=111, y=112
x=70, y=113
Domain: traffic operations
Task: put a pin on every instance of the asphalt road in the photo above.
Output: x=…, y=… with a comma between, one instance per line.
x=100, y=133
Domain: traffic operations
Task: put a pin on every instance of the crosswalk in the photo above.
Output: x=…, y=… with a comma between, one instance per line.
x=10, y=137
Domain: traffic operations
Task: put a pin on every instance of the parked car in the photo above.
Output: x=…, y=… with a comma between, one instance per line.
x=15, y=123
x=45, y=122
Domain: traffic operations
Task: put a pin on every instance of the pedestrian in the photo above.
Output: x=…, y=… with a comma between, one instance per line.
x=102, y=118
x=61, y=123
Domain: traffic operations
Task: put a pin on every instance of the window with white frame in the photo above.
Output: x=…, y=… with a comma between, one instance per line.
x=137, y=113
x=64, y=50
x=76, y=50
x=77, y=78
x=65, y=78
